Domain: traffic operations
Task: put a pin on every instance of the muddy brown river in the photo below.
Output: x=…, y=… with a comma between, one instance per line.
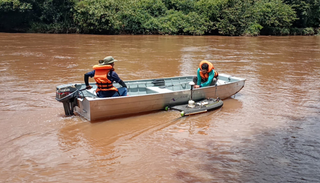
x=268, y=132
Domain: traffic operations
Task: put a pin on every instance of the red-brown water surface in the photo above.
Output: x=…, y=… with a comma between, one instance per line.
x=268, y=132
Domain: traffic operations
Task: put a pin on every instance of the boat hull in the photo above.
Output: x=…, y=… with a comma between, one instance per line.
x=94, y=109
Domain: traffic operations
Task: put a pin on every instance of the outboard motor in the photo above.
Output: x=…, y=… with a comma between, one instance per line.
x=67, y=94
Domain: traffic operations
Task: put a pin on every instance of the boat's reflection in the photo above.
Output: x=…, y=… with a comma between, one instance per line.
x=103, y=137
x=100, y=138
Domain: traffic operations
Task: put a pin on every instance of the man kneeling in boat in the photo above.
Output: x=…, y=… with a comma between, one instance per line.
x=206, y=75
x=104, y=75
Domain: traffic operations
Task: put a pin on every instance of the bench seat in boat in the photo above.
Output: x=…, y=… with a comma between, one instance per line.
x=151, y=90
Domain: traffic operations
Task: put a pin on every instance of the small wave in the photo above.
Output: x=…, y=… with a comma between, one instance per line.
x=28, y=54
x=62, y=57
x=72, y=66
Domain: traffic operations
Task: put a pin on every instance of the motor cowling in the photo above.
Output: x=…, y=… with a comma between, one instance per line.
x=67, y=94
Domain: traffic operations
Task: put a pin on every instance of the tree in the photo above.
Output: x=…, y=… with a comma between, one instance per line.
x=14, y=15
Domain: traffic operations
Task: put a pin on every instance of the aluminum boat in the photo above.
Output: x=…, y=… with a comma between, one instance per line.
x=143, y=96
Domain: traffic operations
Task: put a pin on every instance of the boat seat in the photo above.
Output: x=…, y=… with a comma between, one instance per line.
x=150, y=90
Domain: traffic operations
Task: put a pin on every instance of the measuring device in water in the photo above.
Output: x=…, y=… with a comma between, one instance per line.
x=197, y=107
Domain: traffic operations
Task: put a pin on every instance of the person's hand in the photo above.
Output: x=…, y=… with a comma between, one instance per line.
x=196, y=86
x=88, y=87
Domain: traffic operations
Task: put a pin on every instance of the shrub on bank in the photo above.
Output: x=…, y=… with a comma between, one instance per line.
x=296, y=31
x=308, y=31
x=317, y=31
x=177, y=23
x=276, y=31
x=56, y=28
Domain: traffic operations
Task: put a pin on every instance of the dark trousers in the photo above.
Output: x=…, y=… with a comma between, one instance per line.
x=122, y=91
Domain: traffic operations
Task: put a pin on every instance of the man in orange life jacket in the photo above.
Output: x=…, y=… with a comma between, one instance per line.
x=206, y=75
x=104, y=75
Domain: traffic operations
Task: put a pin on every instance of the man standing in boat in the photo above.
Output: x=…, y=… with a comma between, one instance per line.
x=206, y=75
x=104, y=75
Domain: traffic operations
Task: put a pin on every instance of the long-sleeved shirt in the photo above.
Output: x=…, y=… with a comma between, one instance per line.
x=208, y=82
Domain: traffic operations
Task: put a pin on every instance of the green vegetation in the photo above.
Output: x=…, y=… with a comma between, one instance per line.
x=173, y=17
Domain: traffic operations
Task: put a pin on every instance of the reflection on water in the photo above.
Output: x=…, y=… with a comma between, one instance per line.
x=266, y=133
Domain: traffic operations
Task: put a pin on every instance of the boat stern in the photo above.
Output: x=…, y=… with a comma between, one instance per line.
x=83, y=108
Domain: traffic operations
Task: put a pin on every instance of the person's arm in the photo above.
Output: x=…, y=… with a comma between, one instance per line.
x=86, y=78
x=208, y=82
x=117, y=79
x=198, y=77
x=122, y=84
x=197, y=85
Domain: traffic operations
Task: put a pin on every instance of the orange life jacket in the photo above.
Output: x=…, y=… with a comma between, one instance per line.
x=210, y=68
x=102, y=81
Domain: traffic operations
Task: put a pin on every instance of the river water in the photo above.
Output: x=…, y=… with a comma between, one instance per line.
x=268, y=132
